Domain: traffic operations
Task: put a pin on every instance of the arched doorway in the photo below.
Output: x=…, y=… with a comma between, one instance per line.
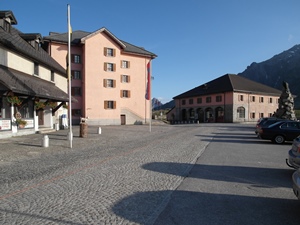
x=209, y=116
x=183, y=114
x=191, y=114
x=200, y=114
x=219, y=114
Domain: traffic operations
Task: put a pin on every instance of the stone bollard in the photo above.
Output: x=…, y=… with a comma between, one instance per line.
x=45, y=141
x=83, y=130
x=99, y=130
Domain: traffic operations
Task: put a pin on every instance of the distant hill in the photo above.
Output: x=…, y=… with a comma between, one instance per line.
x=282, y=67
x=157, y=105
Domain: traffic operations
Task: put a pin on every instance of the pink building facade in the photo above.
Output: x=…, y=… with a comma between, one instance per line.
x=109, y=77
x=229, y=98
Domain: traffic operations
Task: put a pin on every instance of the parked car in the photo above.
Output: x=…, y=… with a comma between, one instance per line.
x=294, y=154
x=265, y=122
x=281, y=131
x=296, y=183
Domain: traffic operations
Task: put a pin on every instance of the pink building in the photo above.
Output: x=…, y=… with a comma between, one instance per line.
x=109, y=76
x=229, y=98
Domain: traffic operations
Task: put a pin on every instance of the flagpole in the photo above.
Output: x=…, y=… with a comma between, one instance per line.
x=150, y=99
x=70, y=137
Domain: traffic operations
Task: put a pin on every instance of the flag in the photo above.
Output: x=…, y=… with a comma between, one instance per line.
x=148, y=87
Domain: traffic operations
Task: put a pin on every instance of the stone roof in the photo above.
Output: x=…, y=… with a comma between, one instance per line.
x=15, y=43
x=230, y=83
x=24, y=84
x=80, y=36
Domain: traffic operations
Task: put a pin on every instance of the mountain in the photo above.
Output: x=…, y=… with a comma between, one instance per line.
x=157, y=105
x=282, y=67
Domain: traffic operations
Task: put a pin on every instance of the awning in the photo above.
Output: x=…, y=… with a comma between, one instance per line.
x=30, y=85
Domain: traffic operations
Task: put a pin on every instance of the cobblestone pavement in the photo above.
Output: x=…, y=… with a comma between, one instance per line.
x=101, y=180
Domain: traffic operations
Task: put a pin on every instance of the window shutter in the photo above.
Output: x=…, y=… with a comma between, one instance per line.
x=104, y=83
x=128, y=79
x=121, y=93
x=105, y=66
x=114, y=67
x=115, y=104
x=129, y=94
x=128, y=64
x=114, y=83
x=121, y=76
x=105, y=104
x=105, y=51
x=114, y=52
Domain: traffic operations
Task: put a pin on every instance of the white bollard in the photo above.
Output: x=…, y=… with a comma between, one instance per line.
x=99, y=130
x=45, y=142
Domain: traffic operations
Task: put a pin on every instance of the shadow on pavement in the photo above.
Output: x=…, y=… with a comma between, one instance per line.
x=263, y=177
x=189, y=208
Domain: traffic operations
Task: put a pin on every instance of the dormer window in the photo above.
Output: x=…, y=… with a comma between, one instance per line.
x=34, y=39
x=6, y=26
x=7, y=19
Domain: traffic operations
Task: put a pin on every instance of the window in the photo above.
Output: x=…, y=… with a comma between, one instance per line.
x=36, y=69
x=52, y=76
x=75, y=59
x=219, y=98
x=241, y=112
x=290, y=125
x=261, y=115
x=109, y=52
x=208, y=99
x=199, y=100
x=125, y=64
x=76, y=74
x=252, y=98
x=125, y=94
x=125, y=79
x=109, y=67
x=76, y=91
x=6, y=26
x=191, y=101
x=76, y=112
x=252, y=115
x=241, y=98
x=270, y=100
x=261, y=99
x=109, y=104
x=183, y=102
x=109, y=83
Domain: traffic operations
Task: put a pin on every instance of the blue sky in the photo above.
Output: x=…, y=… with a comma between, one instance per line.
x=195, y=40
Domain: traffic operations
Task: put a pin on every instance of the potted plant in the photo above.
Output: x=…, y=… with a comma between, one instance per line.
x=39, y=105
x=21, y=123
x=14, y=100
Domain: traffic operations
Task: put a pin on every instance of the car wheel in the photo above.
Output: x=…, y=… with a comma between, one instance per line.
x=278, y=139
